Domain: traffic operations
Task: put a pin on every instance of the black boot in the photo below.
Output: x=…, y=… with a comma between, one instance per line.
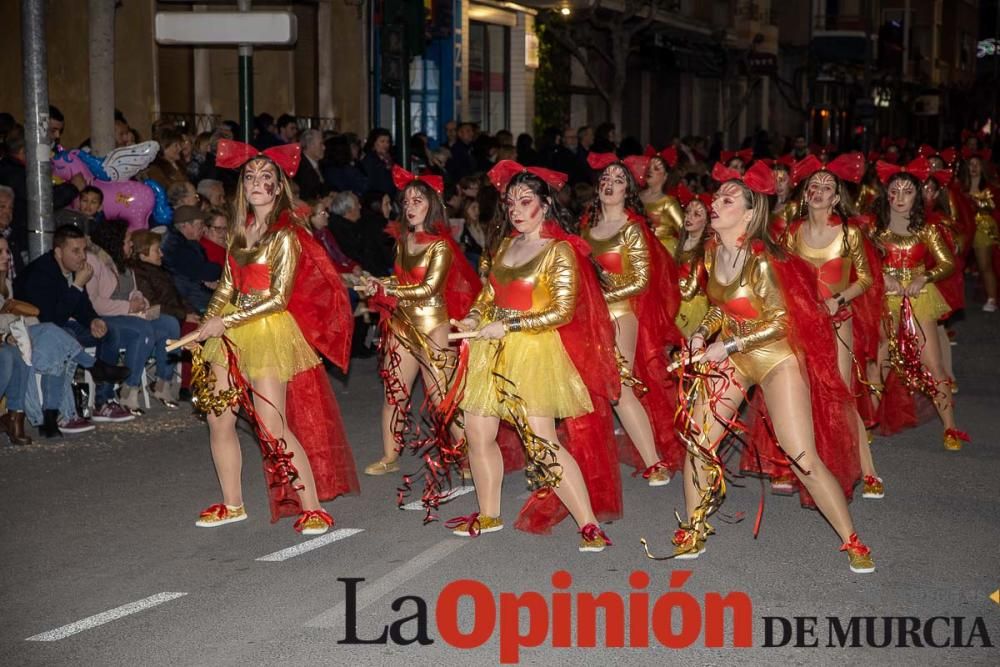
x=104, y=372
x=50, y=424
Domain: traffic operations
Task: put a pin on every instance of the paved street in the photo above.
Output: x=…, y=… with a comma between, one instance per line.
x=105, y=522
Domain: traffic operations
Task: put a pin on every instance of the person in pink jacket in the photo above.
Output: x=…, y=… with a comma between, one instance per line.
x=143, y=330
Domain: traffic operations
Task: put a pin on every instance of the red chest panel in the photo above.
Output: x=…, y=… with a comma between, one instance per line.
x=740, y=308
x=414, y=277
x=906, y=258
x=255, y=277
x=515, y=295
x=611, y=262
x=830, y=274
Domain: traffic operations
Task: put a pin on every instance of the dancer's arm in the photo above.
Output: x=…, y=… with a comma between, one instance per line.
x=632, y=282
x=771, y=324
x=283, y=261
x=438, y=262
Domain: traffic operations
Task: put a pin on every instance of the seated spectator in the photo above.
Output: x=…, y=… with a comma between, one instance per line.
x=194, y=276
x=182, y=194
x=319, y=220
x=91, y=205
x=264, y=132
x=6, y=231
x=13, y=387
x=212, y=192
x=55, y=284
x=117, y=298
x=200, y=149
x=157, y=285
x=309, y=177
x=287, y=129
x=168, y=168
x=376, y=212
x=340, y=170
x=215, y=239
x=473, y=232
x=377, y=163
x=362, y=242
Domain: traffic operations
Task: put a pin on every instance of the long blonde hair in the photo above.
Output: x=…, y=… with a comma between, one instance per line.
x=237, y=238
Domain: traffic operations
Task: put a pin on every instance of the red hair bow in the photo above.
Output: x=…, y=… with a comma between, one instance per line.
x=650, y=151
x=787, y=159
x=637, y=164
x=685, y=197
x=505, y=170
x=968, y=134
x=726, y=156
x=669, y=155
x=942, y=176
x=231, y=154
x=919, y=168
x=401, y=178
x=847, y=167
x=947, y=156
x=984, y=154
x=758, y=178
x=600, y=161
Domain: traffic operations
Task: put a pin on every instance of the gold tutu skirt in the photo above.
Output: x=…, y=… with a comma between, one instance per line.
x=541, y=371
x=691, y=313
x=928, y=305
x=986, y=231
x=268, y=347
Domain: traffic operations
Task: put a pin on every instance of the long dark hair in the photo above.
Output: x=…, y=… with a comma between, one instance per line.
x=917, y=219
x=633, y=204
x=501, y=220
x=435, y=208
x=109, y=236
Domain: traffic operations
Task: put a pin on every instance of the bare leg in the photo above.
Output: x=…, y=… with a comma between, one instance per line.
x=629, y=409
x=984, y=260
x=845, y=362
x=572, y=490
x=437, y=381
x=486, y=461
x=787, y=397
x=226, y=446
x=944, y=344
x=269, y=401
x=406, y=373
x=713, y=424
x=931, y=358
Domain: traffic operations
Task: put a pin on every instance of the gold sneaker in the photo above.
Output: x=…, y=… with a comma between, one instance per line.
x=783, y=485
x=874, y=488
x=659, y=477
x=382, y=468
x=953, y=439
x=688, y=544
x=474, y=524
x=594, y=539
x=314, y=522
x=220, y=515
x=859, y=555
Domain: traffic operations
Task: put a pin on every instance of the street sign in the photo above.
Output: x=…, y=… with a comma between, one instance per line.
x=257, y=28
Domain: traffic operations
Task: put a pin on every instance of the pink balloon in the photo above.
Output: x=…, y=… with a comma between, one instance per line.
x=131, y=201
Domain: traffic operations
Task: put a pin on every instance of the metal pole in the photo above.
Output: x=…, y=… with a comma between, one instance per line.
x=37, y=148
x=403, y=105
x=101, y=23
x=246, y=82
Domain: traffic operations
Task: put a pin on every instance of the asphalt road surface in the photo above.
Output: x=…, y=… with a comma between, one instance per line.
x=102, y=564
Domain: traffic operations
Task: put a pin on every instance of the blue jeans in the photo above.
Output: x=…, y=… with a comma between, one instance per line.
x=136, y=336
x=107, y=351
x=165, y=327
x=13, y=377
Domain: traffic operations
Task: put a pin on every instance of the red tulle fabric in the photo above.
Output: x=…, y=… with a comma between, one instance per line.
x=589, y=341
x=810, y=333
x=463, y=284
x=900, y=410
x=322, y=312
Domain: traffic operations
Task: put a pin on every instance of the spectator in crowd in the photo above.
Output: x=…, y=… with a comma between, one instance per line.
x=505, y=138
x=215, y=237
x=473, y=237
x=288, y=129
x=360, y=240
x=168, y=168
x=800, y=147
x=14, y=175
x=264, y=134
x=212, y=192
x=90, y=206
x=182, y=194
x=340, y=169
x=605, y=139
x=123, y=133
x=194, y=276
x=377, y=163
x=484, y=152
x=585, y=136
x=199, y=154
x=526, y=153
x=13, y=388
x=450, y=133
x=309, y=177
x=462, y=163
x=55, y=283
x=6, y=232
x=56, y=124
x=115, y=294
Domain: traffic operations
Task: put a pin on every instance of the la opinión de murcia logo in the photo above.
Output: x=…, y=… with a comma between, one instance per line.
x=674, y=619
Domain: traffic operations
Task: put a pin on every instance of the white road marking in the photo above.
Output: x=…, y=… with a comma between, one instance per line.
x=370, y=592
x=451, y=495
x=309, y=545
x=104, y=617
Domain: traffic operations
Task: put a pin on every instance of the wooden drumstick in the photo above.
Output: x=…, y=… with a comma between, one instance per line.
x=683, y=362
x=461, y=335
x=182, y=342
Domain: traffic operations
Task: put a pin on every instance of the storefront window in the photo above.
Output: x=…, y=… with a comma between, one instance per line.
x=425, y=95
x=489, y=75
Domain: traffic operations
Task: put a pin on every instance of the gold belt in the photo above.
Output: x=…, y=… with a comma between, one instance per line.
x=247, y=300
x=732, y=327
x=905, y=274
x=504, y=313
